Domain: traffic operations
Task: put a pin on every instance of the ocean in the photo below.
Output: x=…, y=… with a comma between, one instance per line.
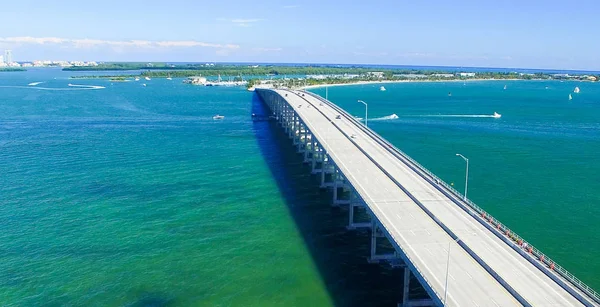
x=131, y=195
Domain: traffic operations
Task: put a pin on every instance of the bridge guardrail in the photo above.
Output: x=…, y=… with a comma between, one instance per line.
x=488, y=217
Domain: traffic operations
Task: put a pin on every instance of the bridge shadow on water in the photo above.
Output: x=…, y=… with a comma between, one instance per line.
x=340, y=255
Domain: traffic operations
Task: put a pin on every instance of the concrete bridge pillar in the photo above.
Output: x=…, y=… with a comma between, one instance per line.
x=355, y=203
x=377, y=233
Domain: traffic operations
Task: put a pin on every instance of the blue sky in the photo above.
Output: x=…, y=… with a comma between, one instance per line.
x=525, y=34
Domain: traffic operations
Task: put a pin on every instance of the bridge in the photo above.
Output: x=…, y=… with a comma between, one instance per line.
x=460, y=254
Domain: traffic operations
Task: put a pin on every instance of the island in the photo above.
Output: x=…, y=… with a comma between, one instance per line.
x=11, y=69
x=295, y=76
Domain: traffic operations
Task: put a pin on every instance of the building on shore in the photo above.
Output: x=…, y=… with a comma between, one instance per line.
x=443, y=75
x=377, y=74
x=410, y=76
x=8, y=56
x=197, y=80
x=467, y=74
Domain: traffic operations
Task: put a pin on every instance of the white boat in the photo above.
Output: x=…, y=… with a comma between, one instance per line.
x=382, y=89
x=218, y=116
x=496, y=115
x=570, y=97
x=137, y=79
x=144, y=84
x=147, y=78
x=576, y=90
x=169, y=77
x=505, y=87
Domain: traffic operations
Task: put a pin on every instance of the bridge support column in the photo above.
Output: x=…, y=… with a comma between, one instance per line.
x=406, y=301
x=308, y=147
x=376, y=233
x=355, y=202
x=313, y=153
x=406, y=286
x=327, y=168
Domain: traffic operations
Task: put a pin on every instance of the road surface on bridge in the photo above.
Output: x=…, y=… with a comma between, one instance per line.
x=421, y=239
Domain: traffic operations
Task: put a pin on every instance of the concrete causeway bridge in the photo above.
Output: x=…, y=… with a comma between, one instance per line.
x=429, y=224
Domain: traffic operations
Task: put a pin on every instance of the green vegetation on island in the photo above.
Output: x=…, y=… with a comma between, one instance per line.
x=120, y=66
x=118, y=79
x=11, y=69
x=312, y=75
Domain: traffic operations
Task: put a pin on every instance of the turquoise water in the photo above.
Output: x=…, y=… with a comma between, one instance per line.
x=132, y=195
x=535, y=168
x=135, y=196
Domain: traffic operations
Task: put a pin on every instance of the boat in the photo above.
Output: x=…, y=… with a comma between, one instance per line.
x=147, y=78
x=144, y=84
x=382, y=89
x=496, y=115
x=570, y=97
x=576, y=90
x=505, y=87
x=218, y=116
x=137, y=79
x=169, y=77
x=449, y=94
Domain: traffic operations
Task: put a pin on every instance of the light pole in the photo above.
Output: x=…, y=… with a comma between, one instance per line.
x=447, y=270
x=466, y=175
x=366, y=112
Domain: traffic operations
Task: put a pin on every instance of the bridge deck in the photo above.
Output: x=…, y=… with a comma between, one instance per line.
x=421, y=239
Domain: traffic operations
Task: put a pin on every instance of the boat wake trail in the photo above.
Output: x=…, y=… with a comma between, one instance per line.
x=389, y=117
x=87, y=87
x=72, y=87
x=496, y=115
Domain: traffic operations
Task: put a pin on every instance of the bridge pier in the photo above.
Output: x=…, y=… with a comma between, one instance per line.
x=377, y=233
x=355, y=203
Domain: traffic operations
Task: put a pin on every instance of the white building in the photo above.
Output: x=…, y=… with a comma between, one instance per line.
x=443, y=75
x=378, y=74
x=1, y=59
x=467, y=74
x=8, y=56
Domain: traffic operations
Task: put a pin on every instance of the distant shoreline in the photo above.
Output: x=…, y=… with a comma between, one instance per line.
x=407, y=81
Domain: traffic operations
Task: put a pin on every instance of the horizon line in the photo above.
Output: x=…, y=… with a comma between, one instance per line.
x=327, y=64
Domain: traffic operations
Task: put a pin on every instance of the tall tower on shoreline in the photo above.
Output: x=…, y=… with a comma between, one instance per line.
x=8, y=56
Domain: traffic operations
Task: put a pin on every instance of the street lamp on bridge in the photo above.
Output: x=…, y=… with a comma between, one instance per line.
x=366, y=110
x=448, y=270
x=466, y=175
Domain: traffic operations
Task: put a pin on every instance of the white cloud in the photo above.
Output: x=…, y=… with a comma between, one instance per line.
x=242, y=22
x=89, y=43
x=416, y=55
x=267, y=49
x=245, y=20
x=371, y=54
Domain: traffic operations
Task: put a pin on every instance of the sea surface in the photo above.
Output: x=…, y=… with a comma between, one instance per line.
x=120, y=194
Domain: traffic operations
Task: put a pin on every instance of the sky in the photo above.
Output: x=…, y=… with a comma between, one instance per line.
x=546, y=34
